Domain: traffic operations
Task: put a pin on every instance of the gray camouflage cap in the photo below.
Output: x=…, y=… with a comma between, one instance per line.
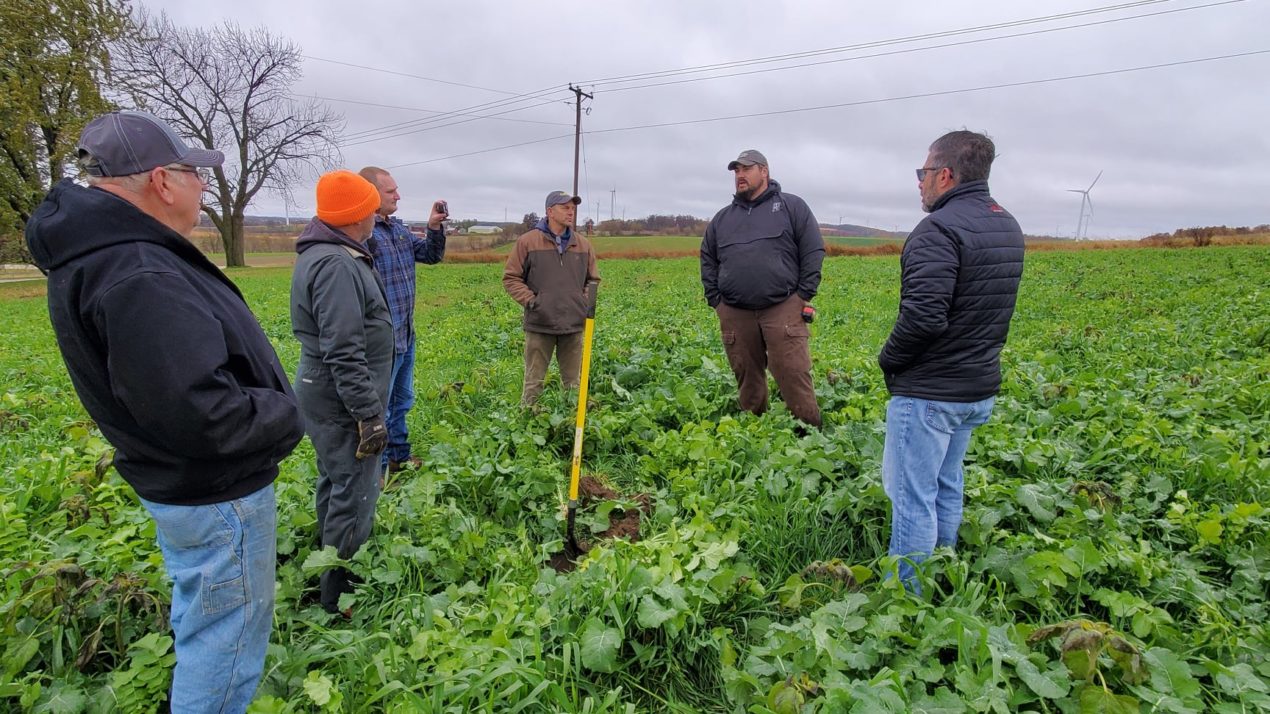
x=749, y=157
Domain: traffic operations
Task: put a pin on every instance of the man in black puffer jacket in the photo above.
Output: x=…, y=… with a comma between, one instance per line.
x=960, y=276
x=760, y=267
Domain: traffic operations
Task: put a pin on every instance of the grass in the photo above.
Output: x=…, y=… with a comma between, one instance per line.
x=1144, y=370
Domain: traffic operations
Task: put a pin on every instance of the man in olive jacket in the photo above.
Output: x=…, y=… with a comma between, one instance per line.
x=552, y=273
x=960, y=273
x=340, y=316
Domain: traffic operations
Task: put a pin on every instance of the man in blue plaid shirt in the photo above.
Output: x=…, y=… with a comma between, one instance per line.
x=396, y=251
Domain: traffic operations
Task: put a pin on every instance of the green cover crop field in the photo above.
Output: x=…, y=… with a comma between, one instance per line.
x=1115, y=554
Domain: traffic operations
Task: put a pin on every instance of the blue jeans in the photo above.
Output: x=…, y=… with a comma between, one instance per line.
x=221, y=558
x=400, y=398
x=921, y=472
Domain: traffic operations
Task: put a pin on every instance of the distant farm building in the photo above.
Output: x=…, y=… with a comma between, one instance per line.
x=484, y=230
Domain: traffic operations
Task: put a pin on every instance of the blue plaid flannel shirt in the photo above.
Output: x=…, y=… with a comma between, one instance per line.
x=396, y=252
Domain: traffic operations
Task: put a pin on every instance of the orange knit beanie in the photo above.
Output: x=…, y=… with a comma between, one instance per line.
x=344, y=198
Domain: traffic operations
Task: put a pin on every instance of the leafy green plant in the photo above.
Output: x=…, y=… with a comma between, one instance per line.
x=1121, y=482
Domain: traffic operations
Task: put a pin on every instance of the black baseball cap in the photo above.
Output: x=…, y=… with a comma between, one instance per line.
x=127, y=142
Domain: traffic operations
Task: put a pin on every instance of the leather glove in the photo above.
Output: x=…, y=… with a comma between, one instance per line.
x=372, y=437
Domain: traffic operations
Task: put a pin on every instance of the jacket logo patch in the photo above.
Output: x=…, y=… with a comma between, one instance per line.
x=995, y=208
x=776, y=206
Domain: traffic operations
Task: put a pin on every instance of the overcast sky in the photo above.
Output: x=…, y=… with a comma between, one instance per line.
x=1178, y=146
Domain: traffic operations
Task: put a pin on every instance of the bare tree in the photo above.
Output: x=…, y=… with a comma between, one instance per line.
x=229, y=89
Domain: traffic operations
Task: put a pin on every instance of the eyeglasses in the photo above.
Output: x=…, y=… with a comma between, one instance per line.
x=204, y=175
x=921, y=173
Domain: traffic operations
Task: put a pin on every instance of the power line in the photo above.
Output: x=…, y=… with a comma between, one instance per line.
x=407, y=127
x=867, y=45
x=482, y=151
x=586, y=173
x=367, y=140
x=407, y=74
x=438, y=111
x=910, y=50
x=862, y=102
x=387, y=131
x=947, y=92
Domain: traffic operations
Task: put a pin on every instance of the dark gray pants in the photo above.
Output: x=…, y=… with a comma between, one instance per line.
x=347, y=490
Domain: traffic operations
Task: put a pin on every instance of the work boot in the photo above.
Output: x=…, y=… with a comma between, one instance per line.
x=414, y=463
x=333, y=583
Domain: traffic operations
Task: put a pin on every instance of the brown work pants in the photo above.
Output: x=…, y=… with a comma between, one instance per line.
x=773, y=338
x=538, y=349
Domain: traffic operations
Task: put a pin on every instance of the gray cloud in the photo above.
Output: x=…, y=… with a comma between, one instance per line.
x=1178, y=146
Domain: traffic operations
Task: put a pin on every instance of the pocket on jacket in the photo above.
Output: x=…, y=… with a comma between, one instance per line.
x=317, y=397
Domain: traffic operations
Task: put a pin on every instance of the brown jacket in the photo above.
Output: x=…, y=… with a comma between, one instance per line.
x=556, y=290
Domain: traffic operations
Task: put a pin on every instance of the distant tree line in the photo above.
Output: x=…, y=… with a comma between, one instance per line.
x=1202, y=236
x=654, y=224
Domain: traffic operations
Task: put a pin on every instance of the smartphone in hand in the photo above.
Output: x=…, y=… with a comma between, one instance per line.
x=441, y=207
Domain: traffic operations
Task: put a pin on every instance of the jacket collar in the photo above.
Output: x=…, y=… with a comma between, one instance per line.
x=773, y=188
x=562, y=240
x=961, y=189
x=320, y=232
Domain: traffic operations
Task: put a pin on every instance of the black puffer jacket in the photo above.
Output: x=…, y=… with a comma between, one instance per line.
x=960, y=275
x=756, y=254
x=163, y=351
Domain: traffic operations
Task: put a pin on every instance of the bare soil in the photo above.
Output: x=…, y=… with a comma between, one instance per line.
x=622, y=524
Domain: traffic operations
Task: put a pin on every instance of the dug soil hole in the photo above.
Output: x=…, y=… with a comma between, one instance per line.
x=623, y=523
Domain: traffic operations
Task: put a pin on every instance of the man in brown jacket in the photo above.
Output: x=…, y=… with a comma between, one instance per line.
x=552, y=273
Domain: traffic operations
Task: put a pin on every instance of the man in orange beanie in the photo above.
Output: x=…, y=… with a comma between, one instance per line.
x=340, y=316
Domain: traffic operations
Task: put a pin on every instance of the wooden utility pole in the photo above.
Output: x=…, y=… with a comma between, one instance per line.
x=577, y=139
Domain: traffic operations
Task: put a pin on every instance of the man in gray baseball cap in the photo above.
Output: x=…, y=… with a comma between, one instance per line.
x=749, y=157
x=172, y=366
x=127, y=143
x=559, y=198
x=760, y=267
x=546, y=272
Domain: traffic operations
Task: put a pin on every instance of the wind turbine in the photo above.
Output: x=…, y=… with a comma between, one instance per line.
x=1082, y=223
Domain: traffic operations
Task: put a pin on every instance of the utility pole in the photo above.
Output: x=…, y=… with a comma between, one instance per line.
x=577, y=139
x=613, y=203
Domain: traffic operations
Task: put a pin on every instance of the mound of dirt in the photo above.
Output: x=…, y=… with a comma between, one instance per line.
x=622, y=523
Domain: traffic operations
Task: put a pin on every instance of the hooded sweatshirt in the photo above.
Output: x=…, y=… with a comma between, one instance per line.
x=340, y=316
x=756, y=253
x=162, y=350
